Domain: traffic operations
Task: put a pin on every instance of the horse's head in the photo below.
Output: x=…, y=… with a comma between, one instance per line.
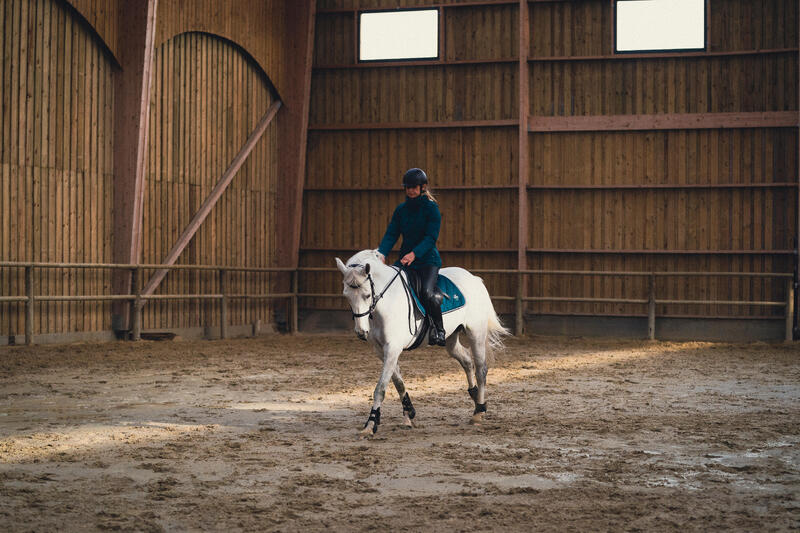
x=357, y=290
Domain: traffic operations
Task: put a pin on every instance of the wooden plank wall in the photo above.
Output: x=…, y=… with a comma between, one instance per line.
x=56, y=179
x=258, y=26
x=57, y=167
x=665, y=200
x=207, y=98
x=353, y=175
x=103, y=17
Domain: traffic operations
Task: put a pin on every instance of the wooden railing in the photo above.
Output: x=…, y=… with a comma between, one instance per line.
x=137, y=300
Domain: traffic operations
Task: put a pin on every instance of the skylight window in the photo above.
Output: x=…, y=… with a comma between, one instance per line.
x=394, y=35
x=657, y=25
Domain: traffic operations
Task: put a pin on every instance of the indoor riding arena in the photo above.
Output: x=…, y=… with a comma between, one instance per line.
x=181, y=351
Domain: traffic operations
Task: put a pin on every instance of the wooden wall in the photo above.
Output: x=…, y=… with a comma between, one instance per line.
x=57, y=147
x=257, y=26
x=56, y=187
x=455, y=117
x=663, y=199
x=103, y=17
x=207, y=98
x=607, y=195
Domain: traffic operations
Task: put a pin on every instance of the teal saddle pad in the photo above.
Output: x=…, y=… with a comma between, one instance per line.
x=453, y=298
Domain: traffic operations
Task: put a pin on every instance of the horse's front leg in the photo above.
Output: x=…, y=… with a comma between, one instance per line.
x=408, y=408
x=390, y=356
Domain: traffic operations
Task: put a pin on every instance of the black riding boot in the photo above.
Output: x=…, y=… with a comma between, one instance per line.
x=436, y=335
x=432, y=302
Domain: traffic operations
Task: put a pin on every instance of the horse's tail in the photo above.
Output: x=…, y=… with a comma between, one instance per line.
x=496, y=333
x=494, y=328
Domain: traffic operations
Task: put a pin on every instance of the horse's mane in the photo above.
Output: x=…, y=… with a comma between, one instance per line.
x=363, y=257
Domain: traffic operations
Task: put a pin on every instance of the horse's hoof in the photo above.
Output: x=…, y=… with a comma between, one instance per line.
x=408, y=422
x=365, y=433
x=476, y=419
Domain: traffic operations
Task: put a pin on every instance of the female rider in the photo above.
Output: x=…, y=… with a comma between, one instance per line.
x=418, y=220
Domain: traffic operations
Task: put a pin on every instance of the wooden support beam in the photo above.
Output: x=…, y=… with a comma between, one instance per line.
x=415, y=63
x=210, y=202
x=523, y=156
x=479, y=3
x=293, y=128
x=416, y=125
x=797, y=209
x=658, y=252
x=137, y=26
x=655, y=55
x=564, y=186
x=668, y=121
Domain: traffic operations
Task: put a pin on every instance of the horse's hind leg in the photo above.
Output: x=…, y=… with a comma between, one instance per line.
x=460, y=354
x=478, y=345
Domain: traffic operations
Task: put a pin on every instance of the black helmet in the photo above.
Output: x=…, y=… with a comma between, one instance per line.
x=414, y=177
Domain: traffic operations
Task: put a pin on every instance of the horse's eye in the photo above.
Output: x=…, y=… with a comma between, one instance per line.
x=365, y=296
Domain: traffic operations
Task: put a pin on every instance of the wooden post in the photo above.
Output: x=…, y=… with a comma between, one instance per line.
x=520, y=325
x=136, y=305
x=789, y=309
x=137, y=36
x=29, y=303
x=651, y=309
x=523, y=156
x=293, y=326
x=223, y=311
x=298, y=56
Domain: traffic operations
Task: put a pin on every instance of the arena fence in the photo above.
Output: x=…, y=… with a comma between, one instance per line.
x=29, y=299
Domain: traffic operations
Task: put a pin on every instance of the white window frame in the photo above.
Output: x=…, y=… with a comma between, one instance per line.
x=360, y=34
x=702, y=48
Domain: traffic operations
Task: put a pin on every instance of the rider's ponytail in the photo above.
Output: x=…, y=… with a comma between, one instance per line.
x=430, y=196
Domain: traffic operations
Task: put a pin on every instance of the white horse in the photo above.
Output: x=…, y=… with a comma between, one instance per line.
x=384, y=315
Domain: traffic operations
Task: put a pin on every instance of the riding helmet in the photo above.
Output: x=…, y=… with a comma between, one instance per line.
x=414, y=177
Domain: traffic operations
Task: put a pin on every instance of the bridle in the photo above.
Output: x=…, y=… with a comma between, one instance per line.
x=376, y=299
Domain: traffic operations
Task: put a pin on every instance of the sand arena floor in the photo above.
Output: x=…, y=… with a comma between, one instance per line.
x=260, y=434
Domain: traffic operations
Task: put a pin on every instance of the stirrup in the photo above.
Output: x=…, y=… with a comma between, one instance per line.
x=437, y=337
x=441, y=338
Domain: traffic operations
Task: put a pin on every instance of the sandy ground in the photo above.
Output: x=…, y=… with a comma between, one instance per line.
x=260, y=434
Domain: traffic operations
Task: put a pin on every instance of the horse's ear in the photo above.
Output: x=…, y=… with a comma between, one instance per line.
x=341, y=266
x=366, y=269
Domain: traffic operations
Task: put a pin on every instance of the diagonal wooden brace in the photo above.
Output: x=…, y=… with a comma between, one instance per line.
x=210, y=202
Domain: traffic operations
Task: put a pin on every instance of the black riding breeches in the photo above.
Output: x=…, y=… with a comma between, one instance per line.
x=428, y=275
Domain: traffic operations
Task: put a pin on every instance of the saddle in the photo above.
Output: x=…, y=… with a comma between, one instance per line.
x=446, y=293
